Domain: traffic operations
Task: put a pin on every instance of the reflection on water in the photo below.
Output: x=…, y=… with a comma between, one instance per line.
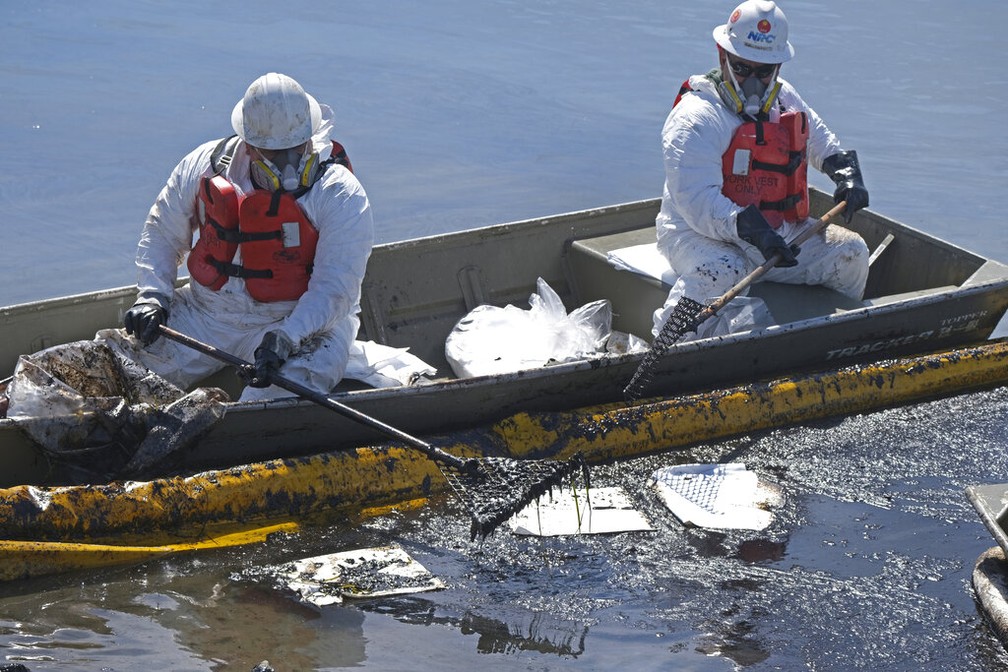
x=249, y=625
x=869, y=551
x=186, y=623
x=521, y=631
x=537, y=632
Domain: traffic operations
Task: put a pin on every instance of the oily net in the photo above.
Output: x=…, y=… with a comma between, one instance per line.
x=682, y=320
x=496, y=488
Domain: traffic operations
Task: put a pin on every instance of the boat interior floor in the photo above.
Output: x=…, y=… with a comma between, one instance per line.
x=634, y=297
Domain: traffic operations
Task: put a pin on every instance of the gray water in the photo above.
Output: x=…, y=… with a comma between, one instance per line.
x=466, y=114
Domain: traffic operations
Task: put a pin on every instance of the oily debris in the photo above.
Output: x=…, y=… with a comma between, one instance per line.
x=89, y=407
x=176, y=427
x=496, y=488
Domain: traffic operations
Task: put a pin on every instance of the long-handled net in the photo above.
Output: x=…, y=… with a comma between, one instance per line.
x=492, y=488
x=689, y=314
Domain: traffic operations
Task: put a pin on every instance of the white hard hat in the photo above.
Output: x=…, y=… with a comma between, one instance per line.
x=757, y=31
x=276, y=113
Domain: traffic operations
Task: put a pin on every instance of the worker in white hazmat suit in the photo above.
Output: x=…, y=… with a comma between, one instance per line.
x=284, y=234
x=737, y=145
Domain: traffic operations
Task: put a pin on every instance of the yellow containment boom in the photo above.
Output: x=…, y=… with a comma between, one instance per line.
x=26, y=559
x=349, y=481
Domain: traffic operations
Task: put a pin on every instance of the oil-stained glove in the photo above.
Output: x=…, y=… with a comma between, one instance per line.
x=753, y=228
x=845, y=171
x=143, y=320
x=273, y=351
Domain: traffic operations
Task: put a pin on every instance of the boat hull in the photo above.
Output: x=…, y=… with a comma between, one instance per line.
x=348, y=481
x=924, y=295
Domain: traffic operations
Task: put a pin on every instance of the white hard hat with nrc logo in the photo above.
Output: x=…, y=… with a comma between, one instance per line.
x=757, y=30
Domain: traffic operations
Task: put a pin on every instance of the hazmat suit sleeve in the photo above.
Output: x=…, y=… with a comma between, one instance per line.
x=695, y=136
x=339, y=208
x=168, y=232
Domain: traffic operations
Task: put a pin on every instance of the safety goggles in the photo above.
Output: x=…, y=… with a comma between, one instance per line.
x=745, y=70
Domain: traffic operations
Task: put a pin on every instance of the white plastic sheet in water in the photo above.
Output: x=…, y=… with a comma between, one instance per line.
x=567, y=511
x=717, y=496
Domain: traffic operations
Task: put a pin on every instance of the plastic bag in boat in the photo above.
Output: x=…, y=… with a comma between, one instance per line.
x=491, y=340
x=742, y=313
x=95, y=412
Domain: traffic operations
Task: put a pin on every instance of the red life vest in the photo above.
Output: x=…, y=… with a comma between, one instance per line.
x=276, y=237
x=217, y=215
x=774, y=173
x=766, y=164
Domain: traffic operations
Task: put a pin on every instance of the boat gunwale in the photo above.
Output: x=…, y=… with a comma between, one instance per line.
x=967, y=289
x=856, y=315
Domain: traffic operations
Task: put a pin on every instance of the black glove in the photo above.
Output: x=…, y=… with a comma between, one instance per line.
x=753, y=228
x=273, y=351
x=845, y=171
x=143, y=320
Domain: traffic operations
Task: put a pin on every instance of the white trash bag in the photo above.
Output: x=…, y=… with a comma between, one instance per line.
x=491, y=340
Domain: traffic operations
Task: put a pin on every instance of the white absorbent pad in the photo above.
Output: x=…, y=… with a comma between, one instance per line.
x=717, y=496
x=644, y=259
x=579, y=511
x=366, y=572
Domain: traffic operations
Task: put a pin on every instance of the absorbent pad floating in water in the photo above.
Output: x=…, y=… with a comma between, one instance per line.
x=566, y=511
x=366, y=572
x=717, y=496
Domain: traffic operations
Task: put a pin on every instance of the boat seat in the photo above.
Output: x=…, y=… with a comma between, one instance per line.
x=635, y=297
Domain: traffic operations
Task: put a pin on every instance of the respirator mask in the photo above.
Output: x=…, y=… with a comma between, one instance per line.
x=753, y=96
x=284, y=169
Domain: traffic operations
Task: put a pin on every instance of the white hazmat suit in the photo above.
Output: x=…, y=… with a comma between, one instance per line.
x=697, y=224
x=322, y=323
